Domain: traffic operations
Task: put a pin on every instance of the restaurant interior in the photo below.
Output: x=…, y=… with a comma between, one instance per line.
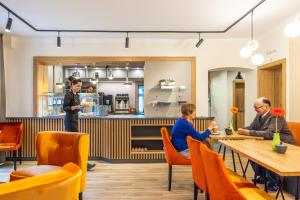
x=177, y=100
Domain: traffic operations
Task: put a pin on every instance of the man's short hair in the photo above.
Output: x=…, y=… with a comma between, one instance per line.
x=266, y=101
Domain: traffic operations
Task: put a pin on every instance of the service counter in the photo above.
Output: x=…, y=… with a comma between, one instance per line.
x=115, y=138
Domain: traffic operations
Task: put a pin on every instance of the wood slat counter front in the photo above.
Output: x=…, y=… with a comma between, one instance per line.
x=112, y=139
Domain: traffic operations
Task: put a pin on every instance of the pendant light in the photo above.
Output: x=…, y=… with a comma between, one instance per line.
x=292, y=30
x=252, y=44
x=257, y=59
x=127, y=84
x=8, y=24
x=111, y=75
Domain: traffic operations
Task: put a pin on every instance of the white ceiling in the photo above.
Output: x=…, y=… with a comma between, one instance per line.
x=177, y=15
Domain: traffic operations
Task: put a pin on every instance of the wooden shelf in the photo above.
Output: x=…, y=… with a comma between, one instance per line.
x=146, y=138
x=148, y=152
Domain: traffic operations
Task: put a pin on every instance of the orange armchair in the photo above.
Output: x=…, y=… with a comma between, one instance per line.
x=197, y=167
x=295, y=129
x=60, y=184
x=220, y=184
x=56, y=149
x=11, y=139
x=173, y=157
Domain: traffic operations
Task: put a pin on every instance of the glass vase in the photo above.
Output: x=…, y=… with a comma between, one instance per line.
x=276, y=141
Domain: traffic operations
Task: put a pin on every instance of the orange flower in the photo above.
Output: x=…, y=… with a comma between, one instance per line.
x=277, y=112
x=234, y=109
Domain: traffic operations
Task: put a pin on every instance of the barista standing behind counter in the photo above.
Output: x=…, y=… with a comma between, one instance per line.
x=72, y=106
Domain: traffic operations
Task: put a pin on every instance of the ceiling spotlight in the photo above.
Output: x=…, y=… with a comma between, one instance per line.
x=8, y=24
x=199, y=42
x=127, y=41
x=257, y=59
x=58, y=42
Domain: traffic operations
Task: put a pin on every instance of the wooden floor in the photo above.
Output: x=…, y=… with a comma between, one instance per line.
x=135, y=181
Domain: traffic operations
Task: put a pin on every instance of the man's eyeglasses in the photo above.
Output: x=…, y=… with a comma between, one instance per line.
x=256, y=108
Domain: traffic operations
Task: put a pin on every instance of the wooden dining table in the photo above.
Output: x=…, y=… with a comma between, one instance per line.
x=260, y=152
x=221, y=135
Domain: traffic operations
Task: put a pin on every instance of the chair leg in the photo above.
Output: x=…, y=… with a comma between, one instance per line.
x=224, y=153
x=195, y=191
x=20, y=155
x=80, y=195
x=15, y=159
x=206, y=196
x=170, y=177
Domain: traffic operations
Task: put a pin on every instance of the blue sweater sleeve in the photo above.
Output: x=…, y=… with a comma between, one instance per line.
x=196, y=135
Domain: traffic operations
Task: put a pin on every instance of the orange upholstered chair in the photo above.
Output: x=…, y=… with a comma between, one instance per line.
x=60, y=184
x=295, y=129
x=197, y=166
x=55, y=149
x=11, y=139
x=220, y=184
x=173, y=157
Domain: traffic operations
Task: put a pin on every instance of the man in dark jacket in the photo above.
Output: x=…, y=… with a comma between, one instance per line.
x=264, y=125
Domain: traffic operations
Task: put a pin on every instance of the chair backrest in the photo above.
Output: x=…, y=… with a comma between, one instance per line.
x=171, y=154
x=11, y=133
x=220, y=185
x=59, y=185
x=295, y=129
x=59, y=148
x=197, y=165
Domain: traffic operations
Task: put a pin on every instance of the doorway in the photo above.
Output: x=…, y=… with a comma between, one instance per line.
x=271, y=83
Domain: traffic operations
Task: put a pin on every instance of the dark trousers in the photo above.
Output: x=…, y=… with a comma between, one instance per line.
x=273, y=179
x=71, y=125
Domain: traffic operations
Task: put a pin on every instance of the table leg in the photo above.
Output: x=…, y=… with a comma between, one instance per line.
x=265, y=180
x=255, y=174
x=297, y=190
x=245, y=170
x=280, y=189
x=224, y=152
x=220, y=148
x=241, y=165
x=233, y=160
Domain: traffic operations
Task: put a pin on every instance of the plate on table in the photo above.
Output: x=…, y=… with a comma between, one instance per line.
x=216, y=133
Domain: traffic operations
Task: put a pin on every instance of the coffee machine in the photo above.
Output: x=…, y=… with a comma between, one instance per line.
x=108, y=100
x=122, y=103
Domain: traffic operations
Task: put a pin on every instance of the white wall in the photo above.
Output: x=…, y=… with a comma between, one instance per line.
x=180, y=71
x=213, y=53
x=222, y=95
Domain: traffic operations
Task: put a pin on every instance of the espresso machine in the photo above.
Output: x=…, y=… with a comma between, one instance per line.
x=122, y=103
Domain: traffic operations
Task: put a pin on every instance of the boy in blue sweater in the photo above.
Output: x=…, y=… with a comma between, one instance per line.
x=184, y=127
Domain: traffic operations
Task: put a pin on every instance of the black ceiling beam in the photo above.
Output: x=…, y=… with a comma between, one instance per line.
x=127, y=31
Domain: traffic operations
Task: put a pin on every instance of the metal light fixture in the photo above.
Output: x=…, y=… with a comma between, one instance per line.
x=58, y=42
x=127, y=84
x=127, y=41
x=252, y=44
x=199, y=42
x=111, y=75
x=8, y=24
x=239, y=76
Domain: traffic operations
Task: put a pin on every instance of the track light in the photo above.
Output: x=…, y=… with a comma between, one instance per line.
x=58, y=42
x=127, y=41
x=8, y=24
x=199, y=42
